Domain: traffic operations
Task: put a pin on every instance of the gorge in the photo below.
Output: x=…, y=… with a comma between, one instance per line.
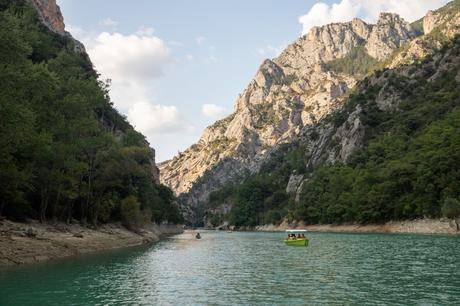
x=317, y=100
x=348, y=138
x=353, y=123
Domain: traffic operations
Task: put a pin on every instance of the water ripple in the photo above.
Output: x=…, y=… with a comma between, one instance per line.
x=250, y=269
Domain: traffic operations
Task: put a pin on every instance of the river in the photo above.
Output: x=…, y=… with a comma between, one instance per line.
x=249, y=269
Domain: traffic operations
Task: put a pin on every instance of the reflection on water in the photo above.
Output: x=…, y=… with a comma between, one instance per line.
x=250, y=269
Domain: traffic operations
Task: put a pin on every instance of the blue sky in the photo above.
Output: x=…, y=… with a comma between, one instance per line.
x=177, y=66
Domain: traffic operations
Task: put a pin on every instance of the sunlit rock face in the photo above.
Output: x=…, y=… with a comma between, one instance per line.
x=294, y=90
x=51, y=15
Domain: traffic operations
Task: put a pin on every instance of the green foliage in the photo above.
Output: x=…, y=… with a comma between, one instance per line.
x=61, y=156
x=131, y=215
x=221, y=144
x=261, y=198
x=265, y=115
x=417, y=26
x=451, y=208
x=355, y=62
x=216, y=220
x=408, y=167
x=289, y=79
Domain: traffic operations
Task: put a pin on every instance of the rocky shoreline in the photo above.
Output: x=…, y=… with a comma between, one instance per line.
x=419, y=226
x=33, y=242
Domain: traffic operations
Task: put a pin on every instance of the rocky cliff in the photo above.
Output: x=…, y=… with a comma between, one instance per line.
x=380, y=157
x=421, y=59
x=438, y=26
x=293, y=91
x=50, y=14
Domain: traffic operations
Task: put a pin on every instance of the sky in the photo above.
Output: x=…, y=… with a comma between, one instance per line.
x=177, y=66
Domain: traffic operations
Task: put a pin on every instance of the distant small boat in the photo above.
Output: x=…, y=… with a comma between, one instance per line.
x=198, y=236
x=299, y=240
x=229, y=231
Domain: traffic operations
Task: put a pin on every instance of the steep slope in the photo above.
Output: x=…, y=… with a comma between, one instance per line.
x=65, y=152
x=296, y=89
x=51, y=16
x=390, y=153
x=439, y=27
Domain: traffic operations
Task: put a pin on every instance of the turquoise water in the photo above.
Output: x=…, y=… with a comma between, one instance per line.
x=250, y=269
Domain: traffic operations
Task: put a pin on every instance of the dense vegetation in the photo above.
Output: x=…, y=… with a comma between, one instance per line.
x=409, y=165
x=65, y=152
x=355, y=62
x=261, y=199
x=417, y=26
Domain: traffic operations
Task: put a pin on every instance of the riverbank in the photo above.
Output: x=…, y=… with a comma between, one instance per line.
x=420, y=226
x=32, y=242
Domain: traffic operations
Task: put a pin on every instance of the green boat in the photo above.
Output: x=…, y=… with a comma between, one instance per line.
x=300, y=240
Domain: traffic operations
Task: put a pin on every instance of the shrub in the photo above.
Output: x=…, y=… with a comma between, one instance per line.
x=131, y=216
x=451, y=208
x=356, y=62
x=273, y=217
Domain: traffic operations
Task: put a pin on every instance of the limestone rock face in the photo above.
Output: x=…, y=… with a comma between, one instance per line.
x=325, y=143
x=294, y=183
x=430, y=21
x=445, y=22
x=51, y=15
x=287, y=93
x=390, y=33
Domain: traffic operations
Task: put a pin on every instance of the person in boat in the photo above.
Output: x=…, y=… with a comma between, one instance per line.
x=302, y=236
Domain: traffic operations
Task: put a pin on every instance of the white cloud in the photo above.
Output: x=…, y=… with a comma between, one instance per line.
x=108, y=22
x=134, y=63
x=129, y=58
x=152, y=119
x=200, y=40
x=214, y=111
x=322, y=13
x=189, y=57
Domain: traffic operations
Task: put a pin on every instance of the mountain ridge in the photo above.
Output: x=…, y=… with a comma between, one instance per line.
x=291, y=91
x=341, y=169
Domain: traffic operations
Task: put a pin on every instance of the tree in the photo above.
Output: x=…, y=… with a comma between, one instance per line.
x=451, y=208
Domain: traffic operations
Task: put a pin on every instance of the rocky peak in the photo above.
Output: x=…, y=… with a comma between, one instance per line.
x=446, y=17
x=361, y=28
x=446, y=22
x=390, y=33
x=325, y=43
x=292, y=91
x=50, y=14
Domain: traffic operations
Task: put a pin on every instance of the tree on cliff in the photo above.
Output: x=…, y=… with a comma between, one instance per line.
x=65, y=152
